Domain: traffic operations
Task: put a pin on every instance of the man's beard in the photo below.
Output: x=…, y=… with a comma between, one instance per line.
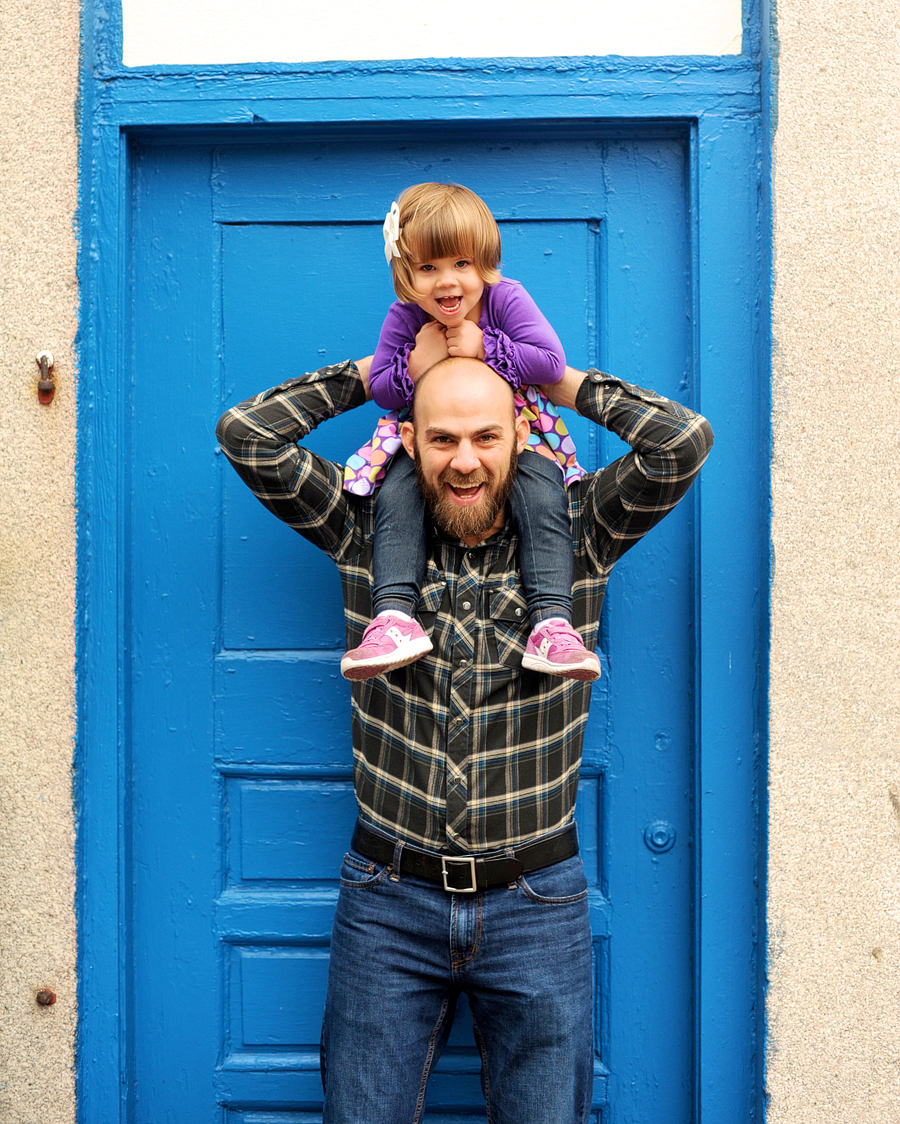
x=467, y=521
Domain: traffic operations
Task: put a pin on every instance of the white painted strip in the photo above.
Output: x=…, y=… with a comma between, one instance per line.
x=161, y=32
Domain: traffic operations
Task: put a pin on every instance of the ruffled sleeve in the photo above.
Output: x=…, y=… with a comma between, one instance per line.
x=389, y=380
x=500, y=356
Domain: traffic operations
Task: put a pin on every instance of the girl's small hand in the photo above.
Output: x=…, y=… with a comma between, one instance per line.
x=431, y=348
x=466, y=339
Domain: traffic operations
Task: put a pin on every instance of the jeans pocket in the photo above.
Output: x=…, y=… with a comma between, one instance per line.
x=559, y=884
x=360, y=873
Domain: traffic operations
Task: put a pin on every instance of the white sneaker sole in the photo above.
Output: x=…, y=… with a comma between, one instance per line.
x=588, y=670
x=378, y=665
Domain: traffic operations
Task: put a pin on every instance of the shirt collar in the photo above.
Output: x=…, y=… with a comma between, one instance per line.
x=502, y=536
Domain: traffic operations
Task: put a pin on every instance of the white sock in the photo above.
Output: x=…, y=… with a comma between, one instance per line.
x=553, y=620
x=395, y=613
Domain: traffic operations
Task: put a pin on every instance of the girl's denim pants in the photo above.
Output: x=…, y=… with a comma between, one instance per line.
x=540, y=514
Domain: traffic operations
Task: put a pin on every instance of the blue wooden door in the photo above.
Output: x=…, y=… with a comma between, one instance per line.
x=251, y=261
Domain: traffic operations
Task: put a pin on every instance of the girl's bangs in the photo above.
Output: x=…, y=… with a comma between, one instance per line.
x=446, y=235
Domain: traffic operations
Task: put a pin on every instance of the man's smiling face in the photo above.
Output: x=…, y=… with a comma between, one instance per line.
x=465, y=439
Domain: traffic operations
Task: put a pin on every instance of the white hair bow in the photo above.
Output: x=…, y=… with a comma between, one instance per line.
x=392, y=233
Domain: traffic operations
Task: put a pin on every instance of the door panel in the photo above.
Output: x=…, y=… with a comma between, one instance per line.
x=251, y=263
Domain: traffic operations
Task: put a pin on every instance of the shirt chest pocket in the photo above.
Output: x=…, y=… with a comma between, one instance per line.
x=509, y=625
x=434, y=597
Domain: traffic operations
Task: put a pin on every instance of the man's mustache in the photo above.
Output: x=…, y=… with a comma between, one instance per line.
x=457, y=480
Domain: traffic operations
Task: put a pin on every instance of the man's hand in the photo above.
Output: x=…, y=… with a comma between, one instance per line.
x=466, y=339
x=431, y=348
x=364, y=366
x=564, y=392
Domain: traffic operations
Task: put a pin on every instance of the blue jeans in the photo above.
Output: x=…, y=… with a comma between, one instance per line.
x=402, y=950
x=540, y=514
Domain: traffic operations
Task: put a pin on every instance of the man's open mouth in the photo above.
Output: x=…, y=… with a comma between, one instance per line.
x=468, y=493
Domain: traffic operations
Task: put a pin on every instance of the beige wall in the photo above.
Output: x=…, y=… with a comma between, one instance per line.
x=38, y=309
x=834, y=857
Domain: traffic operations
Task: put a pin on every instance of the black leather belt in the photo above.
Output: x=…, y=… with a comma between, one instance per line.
x=464, y=874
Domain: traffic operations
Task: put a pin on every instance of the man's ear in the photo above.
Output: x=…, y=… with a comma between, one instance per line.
x=408, y=437
x=522, y=430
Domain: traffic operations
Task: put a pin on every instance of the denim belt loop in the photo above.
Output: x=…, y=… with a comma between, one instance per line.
x=396, y=860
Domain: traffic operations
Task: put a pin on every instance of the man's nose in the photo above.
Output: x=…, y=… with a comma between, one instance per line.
x=465, y=460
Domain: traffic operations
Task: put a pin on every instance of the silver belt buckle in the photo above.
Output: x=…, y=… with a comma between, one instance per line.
x=470, y=862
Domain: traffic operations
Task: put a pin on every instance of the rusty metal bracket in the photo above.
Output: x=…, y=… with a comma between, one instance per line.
x=46, y=383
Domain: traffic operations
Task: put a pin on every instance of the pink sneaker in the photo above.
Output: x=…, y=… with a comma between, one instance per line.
x=388, y=643
x=555, y=648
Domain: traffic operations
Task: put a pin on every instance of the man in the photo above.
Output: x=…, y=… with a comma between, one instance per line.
x=463, y=874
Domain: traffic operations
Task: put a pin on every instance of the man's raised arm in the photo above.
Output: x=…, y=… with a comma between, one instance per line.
x=669, y=444
x=259, y=436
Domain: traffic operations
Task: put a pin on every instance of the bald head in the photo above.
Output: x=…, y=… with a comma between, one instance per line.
x=461, y=386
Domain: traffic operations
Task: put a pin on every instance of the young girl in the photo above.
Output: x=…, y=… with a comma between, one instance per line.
x=443, y=246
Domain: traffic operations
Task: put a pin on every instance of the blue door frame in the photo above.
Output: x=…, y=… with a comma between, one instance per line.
x=723, y=104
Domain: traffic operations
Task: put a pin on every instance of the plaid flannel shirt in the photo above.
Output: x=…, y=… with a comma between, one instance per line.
x=464, y=751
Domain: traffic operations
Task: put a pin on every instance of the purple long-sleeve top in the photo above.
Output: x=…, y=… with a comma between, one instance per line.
x=519, y=344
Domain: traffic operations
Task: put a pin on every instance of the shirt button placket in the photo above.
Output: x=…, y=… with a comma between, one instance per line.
x=461, y=664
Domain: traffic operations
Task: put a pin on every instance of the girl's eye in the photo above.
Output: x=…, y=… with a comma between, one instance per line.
x=462, y=263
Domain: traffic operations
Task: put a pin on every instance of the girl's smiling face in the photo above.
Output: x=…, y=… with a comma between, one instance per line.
x=449, y=289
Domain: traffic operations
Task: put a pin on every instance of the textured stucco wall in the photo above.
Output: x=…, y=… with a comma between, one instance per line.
x=38, y=308
x=834, y=854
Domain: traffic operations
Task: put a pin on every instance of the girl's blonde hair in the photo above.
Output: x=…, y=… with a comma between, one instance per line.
x=438, y=220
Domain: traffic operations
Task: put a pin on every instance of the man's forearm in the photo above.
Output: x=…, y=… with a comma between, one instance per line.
x=564, y=392
x=290, y=411
x=649, y=423
x=260, y=438
x=669, y=443
x=363, y=366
